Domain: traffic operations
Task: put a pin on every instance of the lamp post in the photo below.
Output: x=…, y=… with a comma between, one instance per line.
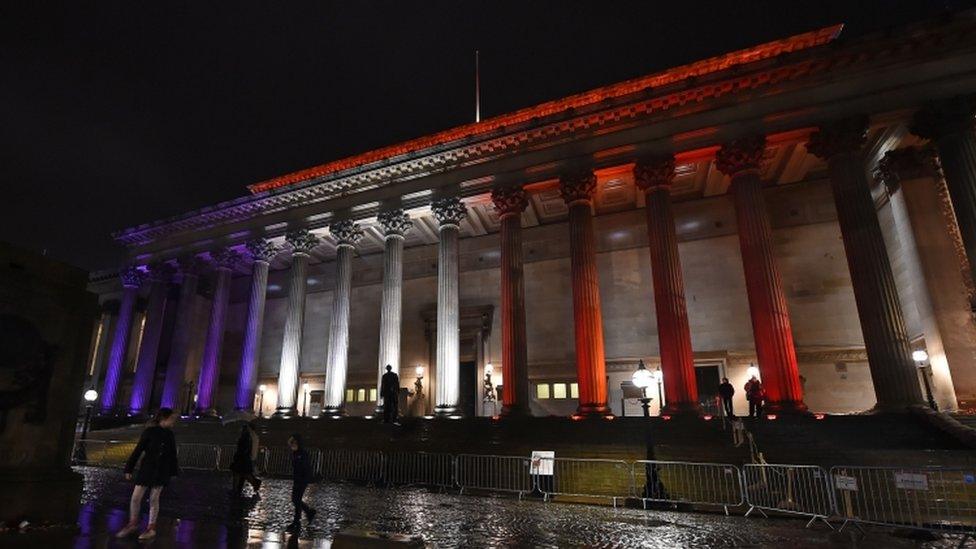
x=261, y=389
x=659, y=377
x=91, y=395
x=922, y=358
x=642, y=378
x=305, y=402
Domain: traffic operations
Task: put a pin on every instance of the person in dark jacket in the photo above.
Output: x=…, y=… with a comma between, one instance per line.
x=301, y=478
x=725, y=391
x=390, y=391
x=243, y=463
x=755, y=395
x=157, y=448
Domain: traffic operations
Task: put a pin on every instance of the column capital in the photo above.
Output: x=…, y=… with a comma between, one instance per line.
x=578, y=187
x=262, y=249
x=302, y=241
x=654, y=172
x=942, y=118
x=846, y=135
x=346, y=233
x=394, y=222
x=224, y=258
x=449, y=211
x=161, y=271
x=899, y=165
x=741, y=155
x=131, y=276
x=189, y=265
x=509, y=201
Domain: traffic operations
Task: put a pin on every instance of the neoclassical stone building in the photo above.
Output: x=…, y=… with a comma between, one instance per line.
x=804, y=209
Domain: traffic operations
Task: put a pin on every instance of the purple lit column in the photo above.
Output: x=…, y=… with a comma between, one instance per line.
x=180, y=342
x=261, y=252
x=131, y=278
x=224, y=260
x=159, y=277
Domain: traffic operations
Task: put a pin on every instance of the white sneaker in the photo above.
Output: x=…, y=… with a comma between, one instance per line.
x=128, y=530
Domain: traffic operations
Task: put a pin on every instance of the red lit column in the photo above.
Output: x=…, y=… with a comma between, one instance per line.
x=882, y=323
x=577, y=190
x=509, y=203
x=654, y=177
x=771, y=327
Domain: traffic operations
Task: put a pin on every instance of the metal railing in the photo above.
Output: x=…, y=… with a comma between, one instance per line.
x=494, y=474
x=203, y=457
x=350, y=465
x=688, y=483
x=418, y=468
x=592, y=478
x=794, y=489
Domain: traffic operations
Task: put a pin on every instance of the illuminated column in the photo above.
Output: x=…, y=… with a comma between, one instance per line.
x=110, y=310
x=449, y=212
x=771, y=327
x=395, y=224
x=950, y=126
x=302, y=243
x=131, y=279
x=180, y=343
x=882, y=323
x=224, y=260
x=346, y=234
x=654, y=177
x=510, y=202
x=577, y=190
x=261, y=251
x=159, y=277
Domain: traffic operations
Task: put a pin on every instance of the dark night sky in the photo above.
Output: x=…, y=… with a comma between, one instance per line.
x=115, y=114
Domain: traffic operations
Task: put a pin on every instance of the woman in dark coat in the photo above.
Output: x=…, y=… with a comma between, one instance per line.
x=302, y=477
x=157, y=448
x=243, y=463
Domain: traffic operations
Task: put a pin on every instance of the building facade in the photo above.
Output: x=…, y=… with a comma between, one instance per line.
x=803, y=211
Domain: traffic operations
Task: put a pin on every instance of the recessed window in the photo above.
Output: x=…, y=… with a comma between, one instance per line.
x=350, y=395
x=372, y=394
x=542, y=391
x=558, y=390
x=361, y=395
x=574, y=390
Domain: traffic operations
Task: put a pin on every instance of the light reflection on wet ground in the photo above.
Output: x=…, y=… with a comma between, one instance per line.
x=196, y=512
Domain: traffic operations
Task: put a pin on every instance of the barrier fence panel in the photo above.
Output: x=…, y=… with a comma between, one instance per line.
x=226, y=456
x=102, y=453
x=275, y=461
x=795, y=489
x=925, y=498
x=689, y=483
x=351, y=465
x=418, y=468
x=198, y=456
x=494, y=473
x=599, y=478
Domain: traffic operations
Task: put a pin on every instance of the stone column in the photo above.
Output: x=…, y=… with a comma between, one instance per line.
x=510, y=202
x=302, y=242
x=110, y=311
x=159, y=278
x=346, y=234
x=395, y=224
x=654, y=177
x=577, y=190
x=771, y=327
x=131, y=279
x=262, y=251
x=950, y=126
x=180, y=344
x=449, y=212
x=882, y=323
x=224, y=260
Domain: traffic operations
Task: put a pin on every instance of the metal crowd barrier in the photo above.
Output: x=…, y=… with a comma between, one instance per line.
x=421, y=468
x=683, y=482
x=204, y=457
x=794, y=489
x=924, y=498
x=493, y=473
x=596, y=478
x=351, y=465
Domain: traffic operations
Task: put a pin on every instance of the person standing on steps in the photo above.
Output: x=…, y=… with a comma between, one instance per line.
x=725, y=391
x=157, y=448
x=754, y=393
x=301, y=478
x=243, y=463
x=390, y=391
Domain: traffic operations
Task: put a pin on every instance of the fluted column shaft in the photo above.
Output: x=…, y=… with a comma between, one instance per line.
x=654, y=177
x=149, y=349
x=577, y=190
x=893, y=371
x=449, y=213
x=262, y=252
x=510, y=202
x=210, y=367
x=771, y=326
x=394, y=223
x=120, y=339
x=338, y=353
x=291, y=348
x=180, y=343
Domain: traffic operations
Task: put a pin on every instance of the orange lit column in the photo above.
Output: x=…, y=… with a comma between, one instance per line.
x=510, y=202
x=654, y=177
x=577, y=190
x=771, y=327
x=893, y=371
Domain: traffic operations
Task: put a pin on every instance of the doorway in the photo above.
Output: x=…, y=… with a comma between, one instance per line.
x=468, y=386
x=707, y=379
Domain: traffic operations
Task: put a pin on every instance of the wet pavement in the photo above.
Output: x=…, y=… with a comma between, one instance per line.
x=197, y=512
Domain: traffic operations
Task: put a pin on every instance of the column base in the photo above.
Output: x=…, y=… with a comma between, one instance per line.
x=285, y=413
x=333, y=411
x=593, y=410
x=682, y=409
x=786, y=407
x=209, y=413
x=444, y=410
x=516, y=411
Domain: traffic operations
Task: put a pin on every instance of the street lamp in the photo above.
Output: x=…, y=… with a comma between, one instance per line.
x=91, y=395
x=643, y=378
x=921, y=358
x=659, y=377
x=262, y=388
x=305, y=403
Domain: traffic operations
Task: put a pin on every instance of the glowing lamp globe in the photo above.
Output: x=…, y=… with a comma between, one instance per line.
x=489, y=369
x=753, y=372
x=419, y=370
x=920, y=356
x=91, y=395
x=262, y=388
x=642, y=377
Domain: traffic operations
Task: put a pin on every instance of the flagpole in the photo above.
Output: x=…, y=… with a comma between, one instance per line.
x=477, y=88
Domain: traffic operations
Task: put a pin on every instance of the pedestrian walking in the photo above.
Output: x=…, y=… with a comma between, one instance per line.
x=755, y=395
x=243, y=463
x=301, y=478
x=725, y=391
x=157, y=448
x=390, y=391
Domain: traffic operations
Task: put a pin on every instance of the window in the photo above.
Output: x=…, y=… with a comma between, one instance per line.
x=574, y=390
x=542, y=391
x=372, y=394
x=350, y=395
x=361, y=395
x=558, y=390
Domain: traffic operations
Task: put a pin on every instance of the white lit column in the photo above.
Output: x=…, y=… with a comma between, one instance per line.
x=301, y=242
x=449, y=212
x=346, y=234
x=395, y=223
